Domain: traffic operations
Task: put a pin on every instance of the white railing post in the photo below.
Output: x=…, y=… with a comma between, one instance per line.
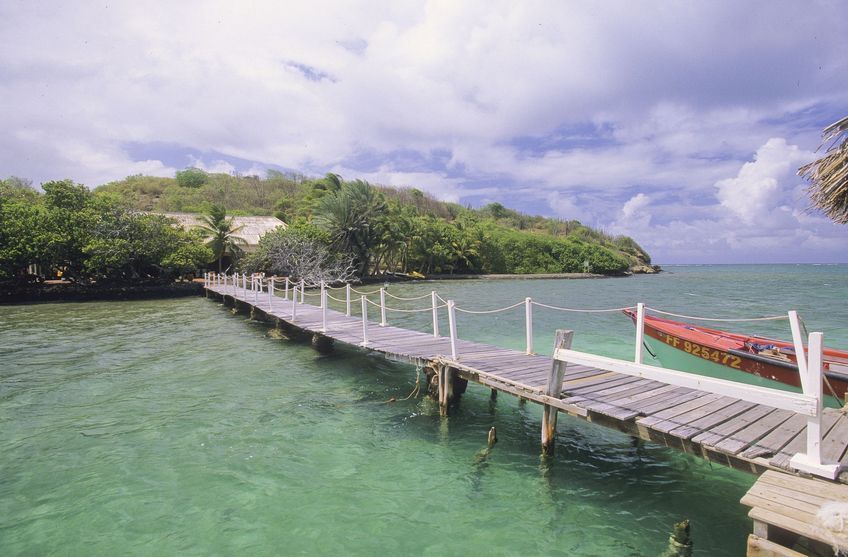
x=811, y=462
x=798, y=342
x=452, y=326
x=271, y=293
x=243, y=282
x=528, y=319
x=640, y=332
x=302, y=289
x=294, y=304
x=364, y=321
x=435, y=314
x=323, y=308
x=347, y=299
x=286, y=292
x=382, y=307
x=257, y=286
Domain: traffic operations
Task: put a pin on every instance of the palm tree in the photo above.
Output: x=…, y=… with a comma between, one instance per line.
x=352, y=216
x=221, y=235
x=828, y=175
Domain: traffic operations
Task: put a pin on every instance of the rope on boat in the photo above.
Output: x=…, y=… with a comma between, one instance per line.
x=613, y=310
x=482, y=312
x=770, y=318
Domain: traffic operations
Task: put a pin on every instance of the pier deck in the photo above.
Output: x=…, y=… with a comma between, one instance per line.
x=718, y=428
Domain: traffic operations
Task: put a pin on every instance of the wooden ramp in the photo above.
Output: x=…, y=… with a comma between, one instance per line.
x=718, y=428
x=789, y=511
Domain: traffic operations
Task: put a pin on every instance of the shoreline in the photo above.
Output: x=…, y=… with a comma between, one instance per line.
x=12, y=295
x=527, y=276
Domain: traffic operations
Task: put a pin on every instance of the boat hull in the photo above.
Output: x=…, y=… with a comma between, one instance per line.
x=720, y=354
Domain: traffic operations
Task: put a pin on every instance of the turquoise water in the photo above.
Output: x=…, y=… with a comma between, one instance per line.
x=176, y=428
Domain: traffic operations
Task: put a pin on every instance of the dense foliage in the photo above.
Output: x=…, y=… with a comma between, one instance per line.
x=395, y=229
x=86, y=236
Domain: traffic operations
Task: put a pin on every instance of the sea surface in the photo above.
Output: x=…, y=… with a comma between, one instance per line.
x=175, y=427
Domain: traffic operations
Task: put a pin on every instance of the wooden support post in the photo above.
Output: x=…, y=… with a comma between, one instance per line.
x=383, y=307
x=528, y=323
x=445, y=388
x=554, y=389
x=435, y=314
x=347, y=300
x=640, y=332
x=323, y=344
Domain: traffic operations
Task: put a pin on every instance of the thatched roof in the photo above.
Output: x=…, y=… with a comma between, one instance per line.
x=250, y=229
x=828, y=175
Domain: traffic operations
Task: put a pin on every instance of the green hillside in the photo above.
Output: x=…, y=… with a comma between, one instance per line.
x=393, y=229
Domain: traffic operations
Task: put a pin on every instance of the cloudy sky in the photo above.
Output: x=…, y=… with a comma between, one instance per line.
x=679, y=123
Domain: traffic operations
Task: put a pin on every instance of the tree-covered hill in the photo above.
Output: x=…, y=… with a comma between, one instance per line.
x=394, y=229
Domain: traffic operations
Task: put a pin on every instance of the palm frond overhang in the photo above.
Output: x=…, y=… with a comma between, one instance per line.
x=828, y=176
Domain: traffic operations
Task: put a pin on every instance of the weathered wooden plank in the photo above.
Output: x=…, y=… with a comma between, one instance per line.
x=778, y=438
x=834, y=443
x=588, y=389
x=690, y=423
x=665, y=403
x=712, y=419
x=820, y=489
x=620, y=405
x=761, y=547
x=798, y=443
x=713, y=435
x=669, y=413
x=574, y=387
x=753, y=432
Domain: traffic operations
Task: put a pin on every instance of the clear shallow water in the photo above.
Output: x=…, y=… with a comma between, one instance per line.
x=174, y=427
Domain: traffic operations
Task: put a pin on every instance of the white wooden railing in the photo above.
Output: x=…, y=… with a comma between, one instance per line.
x=808, y=403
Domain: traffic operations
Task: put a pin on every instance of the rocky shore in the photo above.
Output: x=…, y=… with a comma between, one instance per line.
x=69, y=292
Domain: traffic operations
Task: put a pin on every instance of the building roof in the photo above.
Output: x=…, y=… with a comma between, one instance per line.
x=250, y=229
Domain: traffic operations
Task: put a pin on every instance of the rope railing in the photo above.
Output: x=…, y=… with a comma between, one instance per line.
x=256, y=284
x=582, y=310
x=489, y=311
x=401, y=310
x=352, y=289
x=716, y=319
x=421, y=297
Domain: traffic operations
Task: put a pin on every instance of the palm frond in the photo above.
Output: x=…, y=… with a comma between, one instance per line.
x=828, y=176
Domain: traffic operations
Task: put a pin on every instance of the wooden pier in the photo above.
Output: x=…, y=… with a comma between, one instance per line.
x=718, y=428
x=734, y=431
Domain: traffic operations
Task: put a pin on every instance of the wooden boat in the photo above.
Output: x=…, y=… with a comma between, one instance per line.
x=745, y=358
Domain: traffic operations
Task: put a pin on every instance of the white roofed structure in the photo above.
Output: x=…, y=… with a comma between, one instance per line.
x=250, y=229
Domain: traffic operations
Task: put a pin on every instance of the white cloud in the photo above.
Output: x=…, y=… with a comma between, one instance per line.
x=759, y=187
x=671, y=98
